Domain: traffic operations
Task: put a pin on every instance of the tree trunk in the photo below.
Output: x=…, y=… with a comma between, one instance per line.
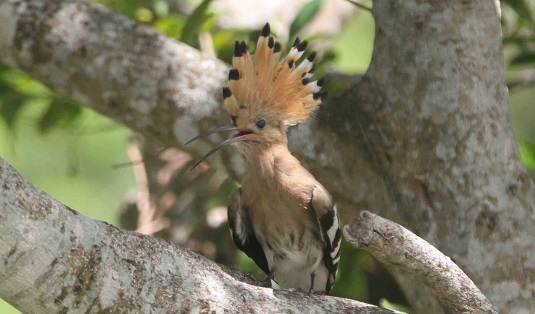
x=433, y=110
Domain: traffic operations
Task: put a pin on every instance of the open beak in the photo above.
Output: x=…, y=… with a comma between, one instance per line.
x=235, y=138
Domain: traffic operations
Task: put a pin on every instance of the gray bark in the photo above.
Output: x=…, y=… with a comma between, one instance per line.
x=54, y=260
x=424, y=138
x=396, y=246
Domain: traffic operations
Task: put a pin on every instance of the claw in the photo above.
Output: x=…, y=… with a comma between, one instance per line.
x=267, y=282
x=312, y=277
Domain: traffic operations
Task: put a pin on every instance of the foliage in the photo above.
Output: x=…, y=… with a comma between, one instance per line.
x=194, y=22
x=304, y=17
x=518, y=22
x=21, y=91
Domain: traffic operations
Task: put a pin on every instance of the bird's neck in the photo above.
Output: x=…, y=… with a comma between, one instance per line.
x=275, y=172
x=264, y=161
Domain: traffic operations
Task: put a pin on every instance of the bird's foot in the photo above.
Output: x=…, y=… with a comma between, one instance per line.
x=312, y=291
x=266, y=283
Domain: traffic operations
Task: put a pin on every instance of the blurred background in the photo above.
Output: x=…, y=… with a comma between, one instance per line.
x=75, y=154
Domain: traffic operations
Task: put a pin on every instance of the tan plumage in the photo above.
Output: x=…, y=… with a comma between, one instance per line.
x=265, y=85
x=283, y=202
x=281, y=217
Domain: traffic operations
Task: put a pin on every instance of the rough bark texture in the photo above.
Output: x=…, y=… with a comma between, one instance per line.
x=54, y=260
x=394, y=245
x=424, y=138
x=434, y=107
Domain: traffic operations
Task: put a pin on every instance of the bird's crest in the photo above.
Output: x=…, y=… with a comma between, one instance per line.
x=263, y=83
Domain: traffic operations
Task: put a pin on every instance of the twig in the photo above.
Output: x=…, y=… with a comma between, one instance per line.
x=392, y=244
x=360, y=5
x=148, y=222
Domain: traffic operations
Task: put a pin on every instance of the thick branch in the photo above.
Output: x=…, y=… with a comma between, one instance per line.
x=394, y=245
x=161, y=88
x=53, y=259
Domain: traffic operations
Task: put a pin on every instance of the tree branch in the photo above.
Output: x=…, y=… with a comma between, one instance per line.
x=425, y=135
x=53, y=259
x=164, y=89
x=394, y=245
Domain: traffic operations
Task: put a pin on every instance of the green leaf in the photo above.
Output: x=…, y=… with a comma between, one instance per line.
x=191, y=29
x=9, y=111
x=23, y=84
x=221, y=40
x=527, y=152
x=170, y=25
x=61, y=112
x=304, y=16
x=521, y=8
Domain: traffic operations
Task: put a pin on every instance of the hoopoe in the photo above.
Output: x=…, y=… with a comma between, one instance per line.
x=281, y=217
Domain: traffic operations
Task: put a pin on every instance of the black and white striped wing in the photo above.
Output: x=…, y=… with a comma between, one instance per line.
x=331, y=235
x=243, y=233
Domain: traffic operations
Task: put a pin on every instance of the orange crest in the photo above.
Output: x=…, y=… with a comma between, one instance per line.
x=262, y=83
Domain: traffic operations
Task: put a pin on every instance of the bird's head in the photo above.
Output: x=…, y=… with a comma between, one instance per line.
x=265, y=96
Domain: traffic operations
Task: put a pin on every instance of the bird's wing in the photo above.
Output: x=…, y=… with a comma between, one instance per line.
x=331, y=236
x=242, y=231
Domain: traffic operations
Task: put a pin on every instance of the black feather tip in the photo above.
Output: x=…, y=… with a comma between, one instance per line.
x=277, y=47
x=311, y=56
x=233, y=74
x=319, y=95
x=243, y=47
x=290, y=64
x=271, y=42
x=266, y=30
x=296, y=42
x=237, y=49
x=302, y=46
x=226, y=92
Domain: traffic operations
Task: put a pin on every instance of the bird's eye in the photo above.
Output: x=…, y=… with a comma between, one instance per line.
x=261, y=123
x=233, y=118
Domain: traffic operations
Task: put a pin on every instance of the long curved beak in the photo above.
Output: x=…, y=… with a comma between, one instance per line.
x=224, y=128
x=215, y=149
x=236, y=138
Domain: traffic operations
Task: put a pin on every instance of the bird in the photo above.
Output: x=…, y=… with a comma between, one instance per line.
x=281, y=216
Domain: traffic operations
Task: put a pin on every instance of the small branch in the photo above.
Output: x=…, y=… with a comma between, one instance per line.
x=360, y=5
x=149, y=220
x=394, y=245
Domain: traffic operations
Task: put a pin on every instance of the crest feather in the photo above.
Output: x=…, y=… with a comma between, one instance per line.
x=263, y=83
